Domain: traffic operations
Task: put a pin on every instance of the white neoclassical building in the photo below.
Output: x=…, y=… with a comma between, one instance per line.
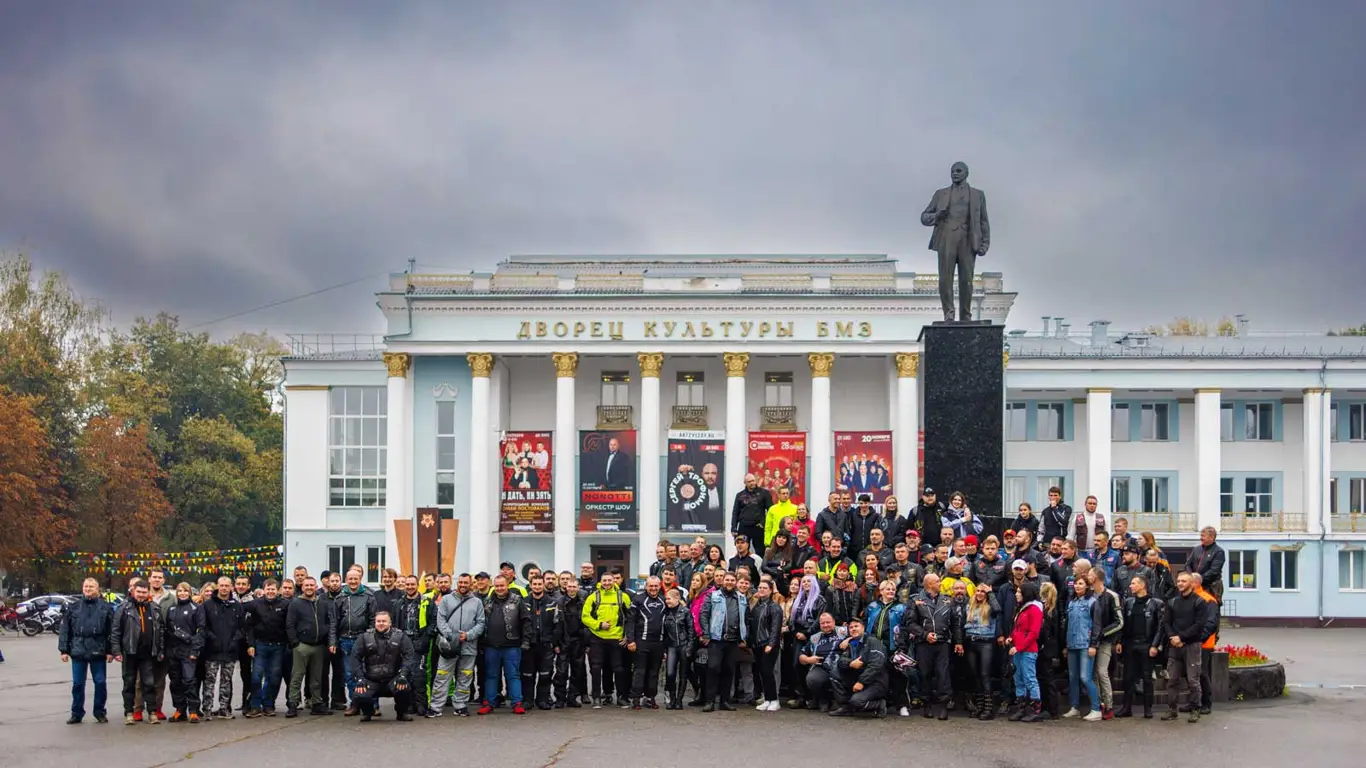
x=483, y=424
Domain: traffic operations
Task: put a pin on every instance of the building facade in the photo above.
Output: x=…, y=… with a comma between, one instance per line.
x=562, y=410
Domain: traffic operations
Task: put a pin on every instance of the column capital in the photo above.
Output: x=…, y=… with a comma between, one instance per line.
x=650, y=363
x=481, y=363
x=822, y=363
x=1314, y=390
x=1098, y=390
x=398, y=364
x=566, y=364
x=1208, y=391
x=736, y=363
x=1005, y=358
x=907, y=364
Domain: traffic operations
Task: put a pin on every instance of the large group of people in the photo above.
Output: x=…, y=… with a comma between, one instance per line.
x=853, y=612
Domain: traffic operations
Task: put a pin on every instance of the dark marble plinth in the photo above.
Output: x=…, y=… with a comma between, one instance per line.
x=962, y=374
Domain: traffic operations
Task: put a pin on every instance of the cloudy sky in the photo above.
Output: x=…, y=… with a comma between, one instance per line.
x=1141, y=160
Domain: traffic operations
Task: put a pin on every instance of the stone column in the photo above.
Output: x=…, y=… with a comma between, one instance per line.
x=737, y=436
x=906, y=462
x=1315, y=424
x=1098, y=436
x=396, y=506
x=820, y=468
x=566, y=442
x=647, y=491
x=1326, y=466
x=1208, y=458
x=483, y=515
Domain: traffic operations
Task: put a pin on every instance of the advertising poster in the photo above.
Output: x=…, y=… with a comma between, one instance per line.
x=779, y=459
x=863, y=464
x=607, y=480
x=524, y=503
x=693, y=502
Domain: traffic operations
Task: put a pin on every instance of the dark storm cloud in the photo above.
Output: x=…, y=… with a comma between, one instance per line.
x=1141, y=160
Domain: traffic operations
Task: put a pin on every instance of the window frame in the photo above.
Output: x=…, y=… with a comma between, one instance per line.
x=1357, y=570
x=1050, y=407
x=374, y=563
x=1227, y=426
x=1356, y=420
x=337, y=557
x=357, y=432
x=1162, y=426
x=1244, y=557
x=1253, y=425
x=690, y=389
x=1120, y=414
x=1294, y=556
x=779, y=383
x=446, y=477
x=1017, y=412
x=617, y=383
x=1269, y=495
x=1161, y=485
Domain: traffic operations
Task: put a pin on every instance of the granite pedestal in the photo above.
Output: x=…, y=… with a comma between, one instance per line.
x=962, y=374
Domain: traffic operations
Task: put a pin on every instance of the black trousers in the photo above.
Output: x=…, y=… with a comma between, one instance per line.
x=721, y=661
x=817, y=684
x=897, y=686
x=982, y=655
x=787, y=667
x=870, y=699
x=143, y=669
x=649, y=656
x=336, y=666
x=755, y=533
x=1043, y=670
x=1206, y=681
x=764, y=664
x=367, y=702
x=933, y=661
x=571, y=675
x=538, y=668
x=606, y=658
x=184, y=686
x=676, y=667
x=1138, y=675
x=244, y=671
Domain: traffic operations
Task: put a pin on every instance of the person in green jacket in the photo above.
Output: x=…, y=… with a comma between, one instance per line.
x=604, y=614
x=774, y=519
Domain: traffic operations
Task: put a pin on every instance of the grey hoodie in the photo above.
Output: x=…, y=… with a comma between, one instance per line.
x=456, y=614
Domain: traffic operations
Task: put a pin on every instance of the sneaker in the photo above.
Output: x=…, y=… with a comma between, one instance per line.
x=1093, y=716
x=462, y=712
x=269, y=712
x=225, y=714
x=487, y=709
x=153, y=719
x=774, y=706
x=1107, y=714
x=161, y=715
x=1206, y=710
x=623, y=704
x=762, y=706
x=1073, y=712
x=73, y=720
x=1194, y=717
x=129, y=719
x=1171, y=715
x=607, y=700
x=433, y=714
x=178, y=716
x=137, y=717
x=101, y=719
x=597, y=703
x=320, y=711
x=350, y=712
x=292, y=712
x=194, y=717
x=518, y=709
x=904, y=712
x=252, y=714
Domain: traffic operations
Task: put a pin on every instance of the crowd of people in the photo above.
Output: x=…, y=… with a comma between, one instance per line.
x=851, y=613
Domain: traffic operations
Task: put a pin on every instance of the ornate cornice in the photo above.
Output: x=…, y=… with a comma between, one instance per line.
x=822, y=363
x=481, y=364
x=907, y=364
x=650, y=363
x=398, y=364
x=566, y=363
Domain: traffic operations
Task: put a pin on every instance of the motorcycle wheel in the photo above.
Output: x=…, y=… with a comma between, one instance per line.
x=31, y=627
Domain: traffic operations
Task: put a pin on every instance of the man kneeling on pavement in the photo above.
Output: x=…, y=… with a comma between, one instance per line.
x=383, y=663
x=860, y=679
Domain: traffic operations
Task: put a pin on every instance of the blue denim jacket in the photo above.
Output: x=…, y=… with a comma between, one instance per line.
x=1079, y=622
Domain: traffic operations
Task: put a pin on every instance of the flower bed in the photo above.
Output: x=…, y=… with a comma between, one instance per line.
x=1244, y=656
x=1251, y=675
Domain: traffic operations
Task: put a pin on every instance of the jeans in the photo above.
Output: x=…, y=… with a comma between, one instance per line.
x=721, y=669
x=96, y=670
x=1081, y=671
x=1104, y=652
x=1026, y=676
x=266, y=668
x=344, y=646
x=506, y=662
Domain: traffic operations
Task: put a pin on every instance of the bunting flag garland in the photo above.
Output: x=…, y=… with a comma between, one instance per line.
x=246, y=560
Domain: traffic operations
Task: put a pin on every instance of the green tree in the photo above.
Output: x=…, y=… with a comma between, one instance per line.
x=210, y=489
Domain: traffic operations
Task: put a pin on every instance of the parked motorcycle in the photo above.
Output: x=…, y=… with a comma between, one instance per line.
x=49, y=620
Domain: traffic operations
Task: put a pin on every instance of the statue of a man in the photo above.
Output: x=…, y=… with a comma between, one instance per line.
x=958, y=214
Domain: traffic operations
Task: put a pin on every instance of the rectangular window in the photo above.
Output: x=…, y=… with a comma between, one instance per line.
x=357, y=429
x=1155, y=494
x=1333, y=422
x=445, y=453
x=1356, y=421
x=690, y=388
x=616, y=388
x=1119, y=423
x=1015, y=493
x=1225, y=495
x=1155, y=421
x=1260, y=421
x=1242, y=569
x=1257, y=495
x=1356, y=494
x=339, y=558
x=1041, y=490
x=374, y=563
x=1332, y=495
x=1352, y=570
x=778, y=389
x=1015, y=421
x=1226, y=423
x=1119, y=495
x=1050, y=425
x=1285, y=570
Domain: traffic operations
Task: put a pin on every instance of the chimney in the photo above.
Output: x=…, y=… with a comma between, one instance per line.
x=1064, y=329
x=1059, y=327
x=1100, y=333
x=1242, y=325
x=1046, y=321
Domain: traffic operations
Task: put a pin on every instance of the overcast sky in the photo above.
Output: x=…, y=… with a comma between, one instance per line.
x=1141, y=160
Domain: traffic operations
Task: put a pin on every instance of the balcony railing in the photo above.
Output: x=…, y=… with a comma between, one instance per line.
x=1160, y=522
x=1264, y=522
x=778, y=418
x=1352, y=522
x=614, y=416
x=689, y=417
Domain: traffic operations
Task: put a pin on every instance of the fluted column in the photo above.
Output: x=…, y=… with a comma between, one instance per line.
x=1098, y=435
x=906, y=462
x=820, y=471
x=566, y=438
x=482, y=514
x=737, y=437
x=396, y=506
x=1208, y=457
x=647, y=494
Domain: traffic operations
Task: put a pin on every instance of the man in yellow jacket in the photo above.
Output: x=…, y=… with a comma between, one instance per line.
x=773, y=520
x=604, y=613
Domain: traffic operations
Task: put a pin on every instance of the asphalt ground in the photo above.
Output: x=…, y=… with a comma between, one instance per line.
x=1320, y=721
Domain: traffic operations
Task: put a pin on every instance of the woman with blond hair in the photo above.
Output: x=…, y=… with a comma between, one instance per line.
x=184, y=647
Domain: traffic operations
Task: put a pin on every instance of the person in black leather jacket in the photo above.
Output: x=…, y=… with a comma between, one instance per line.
x=1141, y=645
x=136, y=640
x=1130, y=566
x=680, y=640
x=766, y=636
x=928, y=517
x=860, y=682
x=383, y=663
x=931, y=627
x=506, y=636
x=645, y=638
x=83, y=639
x=545, y=640
x=571, y=670
x=184, y=646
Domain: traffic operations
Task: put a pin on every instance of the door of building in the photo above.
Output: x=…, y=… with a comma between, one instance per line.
x=608, y=557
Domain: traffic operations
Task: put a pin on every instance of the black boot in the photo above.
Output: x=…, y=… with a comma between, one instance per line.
x=1018, y=712
x=988, y=708
x=1035, y=709
x=1148, y=698
x=1126, y=706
